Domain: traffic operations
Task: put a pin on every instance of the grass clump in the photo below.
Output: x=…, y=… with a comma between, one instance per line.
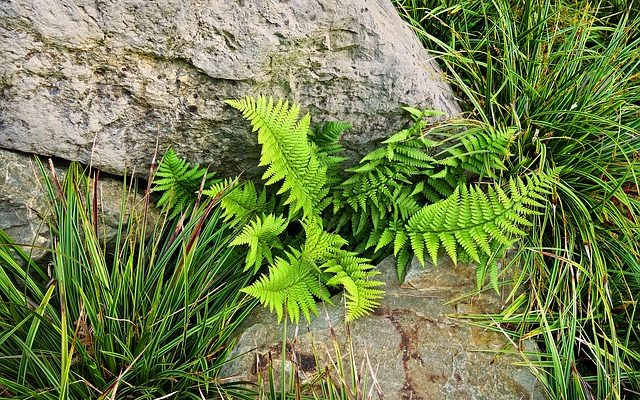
x=150, y=318
x=565, y=76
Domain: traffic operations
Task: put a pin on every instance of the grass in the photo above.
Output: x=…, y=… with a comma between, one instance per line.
x=341, y=373
x=565, y=74
x=150, y=318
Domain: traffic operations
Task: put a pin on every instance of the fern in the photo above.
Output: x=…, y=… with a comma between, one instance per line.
x=292, y=284
x=286, y=151
x=474, y=223
x=319, y=245
x=482, y=149
x=407, y=197
x=179, y=183
x=241, y=203
x=386, y=188
x=321, y=261
x=329, y=150
x=355, y=275
x=261, y=235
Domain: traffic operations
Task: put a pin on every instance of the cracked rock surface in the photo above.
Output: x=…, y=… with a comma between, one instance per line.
x=105, y=82
x=413, y=345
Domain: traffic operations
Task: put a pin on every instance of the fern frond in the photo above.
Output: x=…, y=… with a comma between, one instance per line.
x=482, y=149
x=261, y=235
x=286, y=152
x=326, y=137
x=289, y=283
x=179, y=183
x=356, y=277
x=319, y=245
x=472, y=223
x=240, y=203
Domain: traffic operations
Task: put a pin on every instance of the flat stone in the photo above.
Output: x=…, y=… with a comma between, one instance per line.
x=412, y=344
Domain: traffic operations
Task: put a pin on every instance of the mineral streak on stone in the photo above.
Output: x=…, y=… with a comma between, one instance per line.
x=414, y=348
x=106, y=82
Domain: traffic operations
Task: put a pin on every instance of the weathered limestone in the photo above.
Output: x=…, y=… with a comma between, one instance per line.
x=105, y=82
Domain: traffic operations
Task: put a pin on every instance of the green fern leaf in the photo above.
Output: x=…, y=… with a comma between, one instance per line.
x=286, y=151
x=471, y=223
x=326, y=137
x=403, y=260
x=482, y=148
x=179, y=183
x=356, y=277
x=292, y=284
x=240, y=203
x=261, y=235
x=319, y=245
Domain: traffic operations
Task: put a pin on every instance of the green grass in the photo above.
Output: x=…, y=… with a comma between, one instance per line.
x=565, y=74
x=151, y=317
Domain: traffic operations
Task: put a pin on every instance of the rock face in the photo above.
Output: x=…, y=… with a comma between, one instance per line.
x=410, y=345
x=105, y=82
x=24, y=205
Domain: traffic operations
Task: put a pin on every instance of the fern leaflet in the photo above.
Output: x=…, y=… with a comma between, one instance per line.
x=289, y=283
x=286, y=152
x=240, y=203
x=356, y=277
x=261, y=235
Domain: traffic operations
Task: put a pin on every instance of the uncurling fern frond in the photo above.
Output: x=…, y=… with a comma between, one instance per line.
x=475, y=223
x=286, y=151
x=261, y=235
x=179, y=183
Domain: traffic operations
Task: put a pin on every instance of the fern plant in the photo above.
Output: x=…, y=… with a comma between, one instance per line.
x=479, y=225
x=242, y=203
x=394, y=182
x=286, y=151
x=295, y=282
x=408, y=197
x=261, y=235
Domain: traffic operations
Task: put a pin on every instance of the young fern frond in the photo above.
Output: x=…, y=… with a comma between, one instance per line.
x=472, y=222
x=286, y=151
x=179, y=183
x=261, y=235
x=291, y=284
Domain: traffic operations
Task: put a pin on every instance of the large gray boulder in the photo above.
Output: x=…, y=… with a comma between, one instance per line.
x=106, y=82
x=416, y=345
